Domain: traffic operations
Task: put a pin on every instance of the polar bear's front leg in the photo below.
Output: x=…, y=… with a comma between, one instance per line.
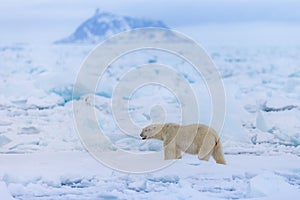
x=170, y=150
x=178, y=153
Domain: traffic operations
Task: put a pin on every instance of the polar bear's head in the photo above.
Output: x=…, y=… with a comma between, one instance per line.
x=153, y=131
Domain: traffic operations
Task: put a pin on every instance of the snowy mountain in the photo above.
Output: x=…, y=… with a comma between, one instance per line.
x=103, y=25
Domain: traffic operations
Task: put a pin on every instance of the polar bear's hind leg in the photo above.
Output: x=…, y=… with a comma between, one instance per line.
x=207, y=147
x=204, y=155
x=218, y=153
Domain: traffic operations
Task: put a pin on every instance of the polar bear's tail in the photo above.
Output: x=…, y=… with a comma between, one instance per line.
x=218, y=153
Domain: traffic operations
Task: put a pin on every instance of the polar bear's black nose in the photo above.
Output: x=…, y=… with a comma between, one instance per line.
x=143, y=136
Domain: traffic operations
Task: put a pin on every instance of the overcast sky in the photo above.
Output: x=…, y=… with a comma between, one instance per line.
x=53, y=19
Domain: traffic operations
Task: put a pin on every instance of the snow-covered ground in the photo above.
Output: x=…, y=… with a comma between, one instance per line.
x=42, y=157
x=75, y=175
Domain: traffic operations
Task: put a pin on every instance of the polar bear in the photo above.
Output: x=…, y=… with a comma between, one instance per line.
x=193, y=139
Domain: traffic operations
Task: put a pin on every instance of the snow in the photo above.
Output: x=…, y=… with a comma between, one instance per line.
x=278, y=189
x=49, y=176
x=5, y=194
x=42, y=157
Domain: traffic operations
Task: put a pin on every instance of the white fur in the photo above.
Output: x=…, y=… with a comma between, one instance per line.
x=193, y=139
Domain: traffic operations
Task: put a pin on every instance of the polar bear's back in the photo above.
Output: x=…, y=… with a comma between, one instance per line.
x=190, y=130
x=189, y=138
